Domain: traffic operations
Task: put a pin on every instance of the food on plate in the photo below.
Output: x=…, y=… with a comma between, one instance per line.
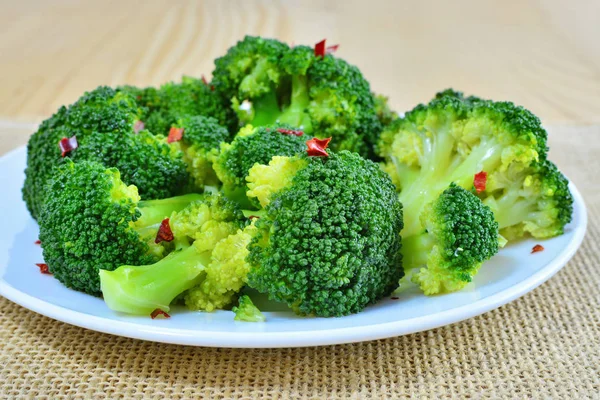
x=285, y=175
x=453, y=138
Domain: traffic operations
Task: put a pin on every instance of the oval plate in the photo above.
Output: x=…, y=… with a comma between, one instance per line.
x=510, y=274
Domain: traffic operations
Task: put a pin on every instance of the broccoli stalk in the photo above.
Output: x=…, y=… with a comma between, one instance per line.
x=142, y=289
x=458, y=233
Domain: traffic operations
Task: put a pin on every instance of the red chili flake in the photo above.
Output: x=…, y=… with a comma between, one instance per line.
x=251, y=217
x=479, y=181
x=395, y=298
x=164, y=234
x=175, y=135
x=66, y=145
x=316, y=147
x=37, y=242
x=320, y=49
x=206, y=82
x=158, y=312
x=537, y=248
x=44, y=268
x=290, y=132
x=332, y=49
x=138, y=126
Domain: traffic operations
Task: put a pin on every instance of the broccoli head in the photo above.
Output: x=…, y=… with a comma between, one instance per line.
x=251, y=146
x=458, y=233
x=93, y=221
x=453, y=138
x=199, y=231
x=102, y=122
x=328, y=241
x=163, y=107
x=268, y=82
x=200, y=143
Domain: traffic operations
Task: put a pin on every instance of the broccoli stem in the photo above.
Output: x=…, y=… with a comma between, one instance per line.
x=154, y=211
x=415, y=250
x=142, y=289
x=266, y=109
x=295, y=114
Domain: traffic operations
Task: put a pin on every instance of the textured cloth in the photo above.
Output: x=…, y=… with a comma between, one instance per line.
x=543, y=345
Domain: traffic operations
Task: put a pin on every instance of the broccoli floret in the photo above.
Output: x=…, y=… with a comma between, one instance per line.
x=458, y=234
x=267, y=82
x=226, y=274
x=327, y=243
x=165, y=106
x=92, y=221
x=199, y=229
x=534, y=201
x=251, y=146
x=200, y=143
x=103, y=123
x=385, y=114
x=451, y=139
x=247, y=311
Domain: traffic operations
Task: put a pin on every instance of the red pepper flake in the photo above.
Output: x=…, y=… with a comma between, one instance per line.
x=537, y=248
x=138, y=126
x=175, y=135
x=332, y=49
x=321, y=49
x=164, y=234
x=316, y=147
x=206, y=82
x=158, y=312
x=395, y=298
x=37, y=242
x=251, y=217
x=479, y=181
x=66, y=145
x=44, y=268
x=290, y=132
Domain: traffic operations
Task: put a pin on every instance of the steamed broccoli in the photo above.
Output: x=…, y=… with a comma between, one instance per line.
x=251, y=146
x=103, y=123
x=164, y=106
x=247, y=311
x=384, y=113
x=268, y=82
x=199, y=231
x=200, y=143
x=328, y=241
x=458, y=234
x=454, y=137
x=93, y=221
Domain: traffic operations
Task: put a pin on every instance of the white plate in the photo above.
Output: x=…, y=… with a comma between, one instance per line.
x=510, y=274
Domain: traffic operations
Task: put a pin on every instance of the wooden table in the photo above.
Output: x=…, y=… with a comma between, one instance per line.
x=544, y=55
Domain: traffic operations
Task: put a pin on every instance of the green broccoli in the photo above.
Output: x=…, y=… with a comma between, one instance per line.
x=200, y=143
x=384, y=113
x=455, y=137
x=165, y=106
x=247, y=311
x=251, y=146
x=92, y=221
x=458, y=234
x=268, y=82
x=328, y=242
x=199, y=231
x=103, y=123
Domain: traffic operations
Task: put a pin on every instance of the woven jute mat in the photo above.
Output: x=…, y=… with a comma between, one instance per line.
x=543, y=345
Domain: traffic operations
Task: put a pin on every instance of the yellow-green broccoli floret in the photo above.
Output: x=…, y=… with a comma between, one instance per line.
x=247, y=311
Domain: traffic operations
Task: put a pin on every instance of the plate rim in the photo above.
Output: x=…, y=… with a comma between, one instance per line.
x=292, y=339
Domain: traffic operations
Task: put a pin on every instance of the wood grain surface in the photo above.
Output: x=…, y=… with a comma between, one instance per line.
x=544, y=55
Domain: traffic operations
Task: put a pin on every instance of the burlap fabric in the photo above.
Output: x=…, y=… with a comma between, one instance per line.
x=544, y=345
